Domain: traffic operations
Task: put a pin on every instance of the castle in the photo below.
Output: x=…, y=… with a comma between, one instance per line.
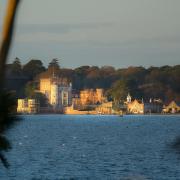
x=57, y=89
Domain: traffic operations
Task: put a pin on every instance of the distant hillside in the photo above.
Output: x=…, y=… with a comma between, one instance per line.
x=154, y=82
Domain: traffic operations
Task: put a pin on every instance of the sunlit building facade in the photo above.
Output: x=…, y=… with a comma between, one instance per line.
x=27, y=106
x=57, y=90
x=172, y=107
x=135, y=107
x=91, y=96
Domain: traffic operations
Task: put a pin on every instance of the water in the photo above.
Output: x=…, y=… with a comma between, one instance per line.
x=54, y=147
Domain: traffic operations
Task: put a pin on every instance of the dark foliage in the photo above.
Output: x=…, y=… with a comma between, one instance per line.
x=33, y=68
x=30, y=92
x=7, y=120
x=154, y=82
x=54, y=63
x=119, y=90
x=16, y=68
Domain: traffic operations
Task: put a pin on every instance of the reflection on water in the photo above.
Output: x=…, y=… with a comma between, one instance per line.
x=93, y=147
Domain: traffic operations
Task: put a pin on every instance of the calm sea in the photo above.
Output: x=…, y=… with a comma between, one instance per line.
x=53, y=147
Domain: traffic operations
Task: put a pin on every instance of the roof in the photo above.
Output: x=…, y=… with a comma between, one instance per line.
x=173, y=104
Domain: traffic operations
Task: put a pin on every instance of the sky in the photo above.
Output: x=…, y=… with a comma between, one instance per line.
x=119, y=33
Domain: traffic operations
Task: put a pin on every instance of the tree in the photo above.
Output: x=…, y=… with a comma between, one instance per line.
x=7, y=117
x=30, y=92
x=16, y=68
x=41, y=98
x=119, y=91
x=54, y=68
x=54, y=63
x=108, y=69
x=80, y=76
x=33, y=68
x=93, y=78
x=7, y=120
x=82, y=70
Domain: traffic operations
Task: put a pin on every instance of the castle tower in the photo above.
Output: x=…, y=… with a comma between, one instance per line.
x=128, y=98
x=54, y=94
x=150, y=100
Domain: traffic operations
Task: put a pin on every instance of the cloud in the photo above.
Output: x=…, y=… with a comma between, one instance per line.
x=59, y=28
x=96, y=35
x=64, y=32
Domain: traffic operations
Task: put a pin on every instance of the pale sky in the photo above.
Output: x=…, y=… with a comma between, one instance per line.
x=120, y=33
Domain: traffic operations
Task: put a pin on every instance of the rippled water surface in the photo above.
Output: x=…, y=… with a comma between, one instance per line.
x=53, y=147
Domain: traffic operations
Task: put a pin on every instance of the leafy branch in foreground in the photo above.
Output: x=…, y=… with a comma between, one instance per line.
x=7, y=120
x=7, y=102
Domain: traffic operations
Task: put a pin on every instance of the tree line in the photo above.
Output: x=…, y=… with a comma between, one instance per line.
x=153, y=82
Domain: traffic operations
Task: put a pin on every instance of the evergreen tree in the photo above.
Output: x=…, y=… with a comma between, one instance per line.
x=16, y=67
x=54, y=63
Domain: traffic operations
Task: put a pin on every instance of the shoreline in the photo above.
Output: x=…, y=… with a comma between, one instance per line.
x=152, y=114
